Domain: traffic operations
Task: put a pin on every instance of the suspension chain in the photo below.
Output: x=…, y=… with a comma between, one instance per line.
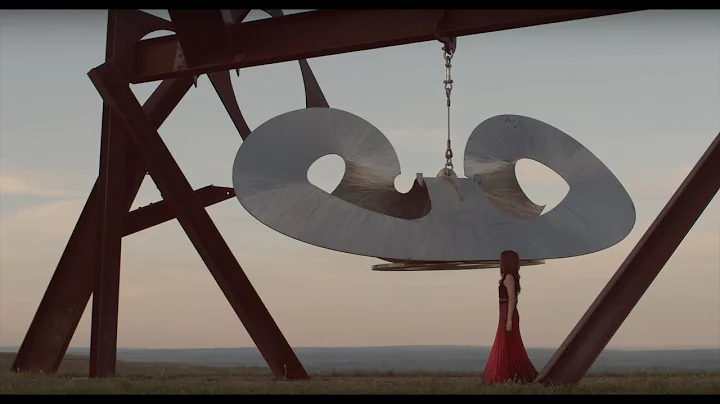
x=449, y=46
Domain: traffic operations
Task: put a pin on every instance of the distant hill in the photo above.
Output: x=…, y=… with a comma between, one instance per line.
x=414, y=358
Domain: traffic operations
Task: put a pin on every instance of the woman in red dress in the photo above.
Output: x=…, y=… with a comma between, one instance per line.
x=508, y=359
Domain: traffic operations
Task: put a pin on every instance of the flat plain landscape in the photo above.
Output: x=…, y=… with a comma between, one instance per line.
x=699, y=373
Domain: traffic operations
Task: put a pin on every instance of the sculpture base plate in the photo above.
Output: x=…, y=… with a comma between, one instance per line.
x=410, y=266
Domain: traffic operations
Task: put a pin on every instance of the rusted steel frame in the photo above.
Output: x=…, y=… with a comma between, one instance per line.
x=111, y=210
x=197, y=224
x=224, y=89
x=71, y=285
x=159, y=212
x=124, y=28
x=612, y=306
x=236, y=16
x=198, y=44
x=330, y=32
x=314, y=97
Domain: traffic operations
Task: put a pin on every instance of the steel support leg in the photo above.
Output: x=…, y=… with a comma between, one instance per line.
x=71, y=285
x=111, y=210
x=216, y=254
x=607, y=313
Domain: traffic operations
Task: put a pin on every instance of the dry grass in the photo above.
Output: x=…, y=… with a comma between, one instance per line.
x=155, y=378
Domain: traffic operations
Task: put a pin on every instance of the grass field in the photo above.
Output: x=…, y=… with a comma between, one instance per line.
x=156, y=378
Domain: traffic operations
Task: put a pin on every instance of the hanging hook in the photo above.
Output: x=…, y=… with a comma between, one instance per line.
x=449, y=46
x=449, y=42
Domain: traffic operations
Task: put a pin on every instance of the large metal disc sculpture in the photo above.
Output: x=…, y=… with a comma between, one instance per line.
x=443, y=222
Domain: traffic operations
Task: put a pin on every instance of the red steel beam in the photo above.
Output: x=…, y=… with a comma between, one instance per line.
x=71, y=285
x=329, y=32
x=199, y=44
x=122, y=31
x=314, y=97
x=238, y=15
x=160, y=212
x=612, y=306
x=224, y=89
x=198, y=225
x=111, y=209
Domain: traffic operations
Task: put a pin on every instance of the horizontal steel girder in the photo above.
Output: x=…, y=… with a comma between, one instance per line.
x=329, y=32
x=160, y=212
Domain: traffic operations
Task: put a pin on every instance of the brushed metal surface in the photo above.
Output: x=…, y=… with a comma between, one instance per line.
x=414, y=266
x=366, y=215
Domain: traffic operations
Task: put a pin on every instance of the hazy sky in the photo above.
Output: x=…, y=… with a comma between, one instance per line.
x=641, y=91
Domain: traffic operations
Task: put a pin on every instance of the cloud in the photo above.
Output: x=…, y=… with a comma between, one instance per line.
x=701, y=241
x=34, y=184
x=663, y=183
x=55, y=218
x=38, y=231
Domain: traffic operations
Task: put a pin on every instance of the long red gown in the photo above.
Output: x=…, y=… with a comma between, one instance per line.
x=508, y=359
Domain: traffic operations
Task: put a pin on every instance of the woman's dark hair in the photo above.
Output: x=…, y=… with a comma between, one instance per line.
x=510, y=264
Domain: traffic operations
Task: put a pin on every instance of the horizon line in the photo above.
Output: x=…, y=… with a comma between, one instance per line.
x=630, y=348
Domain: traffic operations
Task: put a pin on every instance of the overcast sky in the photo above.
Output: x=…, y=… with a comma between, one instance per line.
x=641, y=91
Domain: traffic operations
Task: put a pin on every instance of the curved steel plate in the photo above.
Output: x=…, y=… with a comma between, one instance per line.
x=413, y=266
x=366, y=215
